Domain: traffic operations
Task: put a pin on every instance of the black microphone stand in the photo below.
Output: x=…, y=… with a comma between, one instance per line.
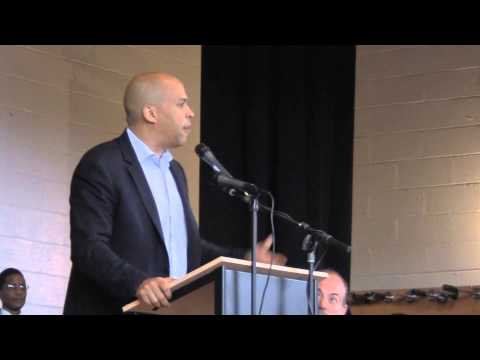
x=254, y=206
x=316, y=233
x=309, y=245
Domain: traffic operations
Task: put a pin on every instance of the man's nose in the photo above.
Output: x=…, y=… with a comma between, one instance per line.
x=190, y=113
x=322, y=303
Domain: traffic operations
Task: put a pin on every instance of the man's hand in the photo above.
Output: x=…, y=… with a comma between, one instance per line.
x=155, y=291
x=264, y=255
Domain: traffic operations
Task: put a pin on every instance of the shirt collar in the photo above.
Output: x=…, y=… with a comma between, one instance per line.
x=5, y=312
x=143, y=152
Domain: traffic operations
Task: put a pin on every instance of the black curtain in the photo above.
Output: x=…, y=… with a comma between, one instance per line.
x=280, y=117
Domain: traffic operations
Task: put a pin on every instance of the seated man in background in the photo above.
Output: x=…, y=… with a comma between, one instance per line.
x=332, y=294
x=13, y=291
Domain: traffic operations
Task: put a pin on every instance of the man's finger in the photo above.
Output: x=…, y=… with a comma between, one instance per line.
x=143, y=297
x=152, y=298
x=267, y=242
x=163, y=286
x=159, y=291
x=167, y=293
x=280, y=259
x=163, y=300
x=169, y=282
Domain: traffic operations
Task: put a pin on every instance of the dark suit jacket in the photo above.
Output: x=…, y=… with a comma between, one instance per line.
x=116, y=237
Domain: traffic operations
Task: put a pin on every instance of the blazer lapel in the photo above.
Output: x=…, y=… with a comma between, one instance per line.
x=143, y=189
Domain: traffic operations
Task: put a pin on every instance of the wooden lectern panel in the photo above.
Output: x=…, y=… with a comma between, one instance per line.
x=203, y=296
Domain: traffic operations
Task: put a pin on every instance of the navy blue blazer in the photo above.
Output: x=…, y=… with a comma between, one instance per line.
x=116, y=236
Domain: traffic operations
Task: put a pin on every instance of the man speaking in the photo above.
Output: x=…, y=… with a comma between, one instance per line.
x=132, y=227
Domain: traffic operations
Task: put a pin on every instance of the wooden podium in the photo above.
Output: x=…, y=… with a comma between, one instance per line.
x=223, y=287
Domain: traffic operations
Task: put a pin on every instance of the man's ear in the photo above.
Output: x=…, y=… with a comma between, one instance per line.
x=150, y=114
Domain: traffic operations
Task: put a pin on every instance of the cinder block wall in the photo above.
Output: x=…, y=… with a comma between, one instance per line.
x=55, y=103
x=416, y=212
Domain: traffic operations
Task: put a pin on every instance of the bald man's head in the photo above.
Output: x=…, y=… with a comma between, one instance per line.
x=145, y=89
x=333, y=293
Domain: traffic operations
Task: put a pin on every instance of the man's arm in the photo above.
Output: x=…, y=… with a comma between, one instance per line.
x=263, y=253
x=211, y=251
x=93, y=201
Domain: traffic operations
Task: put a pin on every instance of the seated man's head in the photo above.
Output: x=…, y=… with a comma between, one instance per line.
x=13, y=290
x=332, y=294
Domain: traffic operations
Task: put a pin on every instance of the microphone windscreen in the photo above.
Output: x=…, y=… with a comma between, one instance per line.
x=201, y=149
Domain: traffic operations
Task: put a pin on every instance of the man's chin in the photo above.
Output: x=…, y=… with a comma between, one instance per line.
x=181, y=141
x=17, y=305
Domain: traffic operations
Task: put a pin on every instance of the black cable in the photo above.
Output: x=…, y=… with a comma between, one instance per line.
x=273, y=252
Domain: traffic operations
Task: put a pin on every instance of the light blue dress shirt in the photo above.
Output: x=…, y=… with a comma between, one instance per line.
x=5, y=312
x=167, y=200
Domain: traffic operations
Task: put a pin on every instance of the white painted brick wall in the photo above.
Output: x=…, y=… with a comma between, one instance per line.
x=416, y=213
x=56, y=101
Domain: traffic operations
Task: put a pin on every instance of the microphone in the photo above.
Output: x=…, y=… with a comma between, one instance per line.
x=206, y=155
x=223, y=180
x=222, y=177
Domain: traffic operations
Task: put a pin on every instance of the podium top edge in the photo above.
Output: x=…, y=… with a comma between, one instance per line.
x=226, y=261
x=235, y=264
